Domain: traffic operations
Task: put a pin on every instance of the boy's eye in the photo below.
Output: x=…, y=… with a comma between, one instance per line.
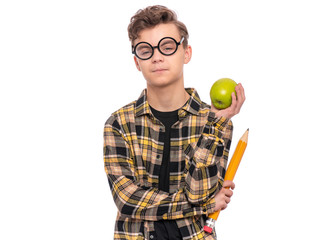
x=167, y=46
x=143, y=50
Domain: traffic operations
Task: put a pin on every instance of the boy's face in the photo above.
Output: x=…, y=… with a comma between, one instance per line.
x=161, y=70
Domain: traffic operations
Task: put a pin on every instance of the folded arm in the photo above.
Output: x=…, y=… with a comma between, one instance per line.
x=207, y=160
x=132, y=198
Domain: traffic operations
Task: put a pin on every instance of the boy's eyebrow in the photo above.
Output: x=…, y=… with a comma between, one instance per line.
x=142, y=46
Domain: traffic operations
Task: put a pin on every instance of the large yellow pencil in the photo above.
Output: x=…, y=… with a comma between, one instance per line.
x=229, y=175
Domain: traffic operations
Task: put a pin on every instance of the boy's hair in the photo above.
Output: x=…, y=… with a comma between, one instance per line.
x=152, y=16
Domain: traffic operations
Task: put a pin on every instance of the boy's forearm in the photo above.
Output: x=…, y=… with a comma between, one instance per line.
x=206, y=161
x=134, y=200
x=151, y=204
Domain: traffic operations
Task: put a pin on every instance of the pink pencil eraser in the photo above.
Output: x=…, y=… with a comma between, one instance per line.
x=207, y=229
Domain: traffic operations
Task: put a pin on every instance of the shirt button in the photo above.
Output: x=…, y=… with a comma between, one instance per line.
x=151, y=236
x=204, y=209
x=158, y=156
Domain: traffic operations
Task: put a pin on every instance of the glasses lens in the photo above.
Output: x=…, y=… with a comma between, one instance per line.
x=168, y=46
x=143, y=50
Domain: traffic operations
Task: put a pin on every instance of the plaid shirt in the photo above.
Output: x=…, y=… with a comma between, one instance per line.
x=133, y=149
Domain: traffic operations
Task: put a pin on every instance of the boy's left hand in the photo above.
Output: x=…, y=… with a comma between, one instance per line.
x=237, y=103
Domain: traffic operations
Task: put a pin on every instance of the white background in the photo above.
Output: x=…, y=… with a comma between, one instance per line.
x=66, y=66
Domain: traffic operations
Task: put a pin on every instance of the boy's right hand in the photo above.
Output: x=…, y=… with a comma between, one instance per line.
x=223, y=197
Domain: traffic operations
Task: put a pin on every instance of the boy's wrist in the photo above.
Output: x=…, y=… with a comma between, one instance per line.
x=209, y=206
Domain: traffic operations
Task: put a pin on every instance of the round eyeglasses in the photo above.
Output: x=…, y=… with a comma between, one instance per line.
x=166, y=46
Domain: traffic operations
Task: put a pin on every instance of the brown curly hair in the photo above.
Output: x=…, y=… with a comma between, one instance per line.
x=152, y=16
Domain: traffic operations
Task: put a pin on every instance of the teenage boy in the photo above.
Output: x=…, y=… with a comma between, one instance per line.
x=165, y=154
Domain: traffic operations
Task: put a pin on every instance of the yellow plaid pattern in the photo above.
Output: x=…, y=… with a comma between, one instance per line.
x=133, y=149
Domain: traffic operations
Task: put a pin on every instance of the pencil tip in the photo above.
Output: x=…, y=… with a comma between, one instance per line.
x=248, y=129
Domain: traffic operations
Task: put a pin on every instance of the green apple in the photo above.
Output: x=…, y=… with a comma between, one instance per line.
x=220, y=93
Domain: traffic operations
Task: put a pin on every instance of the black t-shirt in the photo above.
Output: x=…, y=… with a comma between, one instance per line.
x=167, y=119
x=166, y=229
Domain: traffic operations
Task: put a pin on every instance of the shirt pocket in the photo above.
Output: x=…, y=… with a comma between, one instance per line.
x=207, y=150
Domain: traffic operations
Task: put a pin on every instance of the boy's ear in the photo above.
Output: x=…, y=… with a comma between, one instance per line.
x=187, y=54
x=137, y=63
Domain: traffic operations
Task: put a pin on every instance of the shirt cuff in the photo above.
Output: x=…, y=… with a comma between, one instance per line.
x=209, y=206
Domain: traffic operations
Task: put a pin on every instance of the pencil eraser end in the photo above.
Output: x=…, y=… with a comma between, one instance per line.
x=207, y=229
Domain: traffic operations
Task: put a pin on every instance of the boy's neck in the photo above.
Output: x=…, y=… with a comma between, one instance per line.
x=168, y=98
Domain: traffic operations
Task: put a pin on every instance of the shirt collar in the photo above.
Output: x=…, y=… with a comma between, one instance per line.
x=192, y=105
x=141, y=105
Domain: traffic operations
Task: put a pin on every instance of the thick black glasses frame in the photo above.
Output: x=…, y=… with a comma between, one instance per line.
x=177, y=45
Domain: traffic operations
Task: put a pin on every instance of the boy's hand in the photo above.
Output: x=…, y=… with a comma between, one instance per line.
x=223, y=197
x=237, y=103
